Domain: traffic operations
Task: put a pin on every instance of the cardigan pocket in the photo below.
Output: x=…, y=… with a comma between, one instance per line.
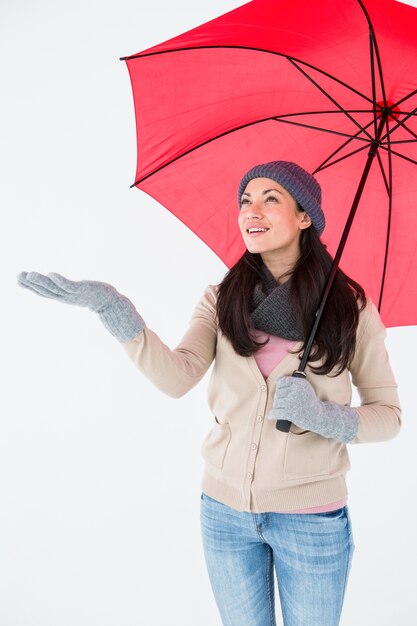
x=216, y=443
x=306, y=454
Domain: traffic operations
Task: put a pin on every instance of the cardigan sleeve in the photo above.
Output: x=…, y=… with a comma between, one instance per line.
x=379, y=412
x=177, y=371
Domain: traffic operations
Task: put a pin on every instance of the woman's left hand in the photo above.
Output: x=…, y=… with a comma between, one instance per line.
x=296, y=401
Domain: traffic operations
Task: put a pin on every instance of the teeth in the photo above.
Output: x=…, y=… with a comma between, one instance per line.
x=257, y=230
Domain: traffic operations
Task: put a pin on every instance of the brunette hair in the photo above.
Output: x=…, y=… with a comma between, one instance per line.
x=335, y=340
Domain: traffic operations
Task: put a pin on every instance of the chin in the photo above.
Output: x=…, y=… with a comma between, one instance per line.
x=256, y=249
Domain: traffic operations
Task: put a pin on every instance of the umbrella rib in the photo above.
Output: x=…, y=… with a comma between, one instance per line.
x=408, y=130
x=253, y=49
x=401, y=141
x=328, y=112
x=371, y=50
x=228, y=132
x=324, y=92
x=319, y=128
x=409, y=95
x=343, y=145
x=325, y=165
x=374, y=47
x=337, y=80
x=200, y=145
x=388, y=234
x=398, y=154
x=384, y=176
x=402, y=124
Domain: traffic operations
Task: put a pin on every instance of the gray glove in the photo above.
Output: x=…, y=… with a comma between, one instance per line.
x=295, y=400
x=116, y=312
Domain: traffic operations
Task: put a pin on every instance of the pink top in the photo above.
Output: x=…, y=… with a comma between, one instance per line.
x=267, y=358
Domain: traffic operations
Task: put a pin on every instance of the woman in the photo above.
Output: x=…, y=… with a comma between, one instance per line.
x=271, y=500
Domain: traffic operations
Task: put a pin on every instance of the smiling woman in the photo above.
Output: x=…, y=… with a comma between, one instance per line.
x=100, y=471
x=285, y=201
x=269, y=498
x=264, y=306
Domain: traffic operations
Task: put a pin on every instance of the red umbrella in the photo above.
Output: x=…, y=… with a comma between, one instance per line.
x=331, y=86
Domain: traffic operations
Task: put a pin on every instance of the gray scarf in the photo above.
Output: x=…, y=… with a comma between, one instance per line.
x=271, y=311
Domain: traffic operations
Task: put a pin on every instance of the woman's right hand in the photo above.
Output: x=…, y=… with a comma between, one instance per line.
x=115, y=310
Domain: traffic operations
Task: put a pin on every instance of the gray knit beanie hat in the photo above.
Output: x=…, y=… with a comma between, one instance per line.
x=299, y=183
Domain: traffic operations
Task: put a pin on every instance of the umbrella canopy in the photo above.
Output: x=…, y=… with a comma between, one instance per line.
x=319, y=83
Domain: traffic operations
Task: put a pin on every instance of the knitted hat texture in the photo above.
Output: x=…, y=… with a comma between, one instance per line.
x=297, y=181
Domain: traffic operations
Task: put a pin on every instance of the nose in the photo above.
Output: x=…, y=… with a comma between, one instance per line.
x=254, y=210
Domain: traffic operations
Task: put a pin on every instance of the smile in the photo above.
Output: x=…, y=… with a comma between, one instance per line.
x=256, y=231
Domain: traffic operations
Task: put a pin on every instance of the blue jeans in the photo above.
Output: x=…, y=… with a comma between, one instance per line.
x=311, y=554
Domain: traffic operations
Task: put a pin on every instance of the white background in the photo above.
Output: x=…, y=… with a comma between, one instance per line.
x=99, y=472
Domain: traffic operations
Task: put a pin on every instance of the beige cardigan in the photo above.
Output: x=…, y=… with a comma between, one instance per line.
x=250, y=465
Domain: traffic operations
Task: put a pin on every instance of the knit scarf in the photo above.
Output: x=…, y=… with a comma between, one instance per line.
x=271, y=310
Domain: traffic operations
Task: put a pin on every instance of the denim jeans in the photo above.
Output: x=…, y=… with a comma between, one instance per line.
x=311, y=554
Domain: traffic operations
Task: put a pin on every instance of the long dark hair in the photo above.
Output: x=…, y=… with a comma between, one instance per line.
x=335, y=340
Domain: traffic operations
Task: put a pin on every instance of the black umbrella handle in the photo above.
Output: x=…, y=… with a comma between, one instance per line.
x=285, y=425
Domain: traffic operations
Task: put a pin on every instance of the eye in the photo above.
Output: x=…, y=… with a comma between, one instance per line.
x=244, y=201
x=271, y=199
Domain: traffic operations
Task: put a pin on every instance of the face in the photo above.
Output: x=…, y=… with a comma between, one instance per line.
x=267, y=206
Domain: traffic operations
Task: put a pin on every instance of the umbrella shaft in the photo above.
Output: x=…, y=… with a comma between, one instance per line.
x=332, y=274
x=285, y=425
